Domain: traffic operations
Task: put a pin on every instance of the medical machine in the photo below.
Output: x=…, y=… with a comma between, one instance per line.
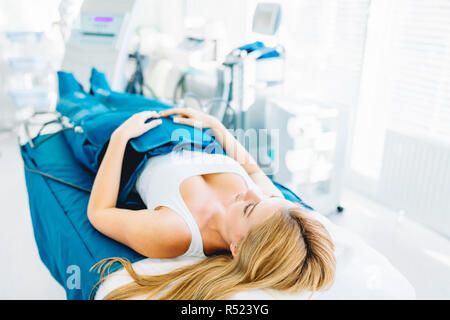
x=101, y=39
x=192, y=73
x=255, y=66
x=250, y=67
x=188, y=72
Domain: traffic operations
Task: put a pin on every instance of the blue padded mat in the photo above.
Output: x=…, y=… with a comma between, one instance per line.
x=64, y=236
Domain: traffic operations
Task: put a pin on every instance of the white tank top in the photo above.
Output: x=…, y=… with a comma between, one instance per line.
x=159, y=184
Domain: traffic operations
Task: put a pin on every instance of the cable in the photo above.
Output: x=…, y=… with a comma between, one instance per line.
x=151, y=91
x=195, y=97
x=220, y=113
x=179, y=84
x=136, y=83
x=56, y=179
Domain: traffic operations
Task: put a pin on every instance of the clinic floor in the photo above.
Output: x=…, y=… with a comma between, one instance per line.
x=420, y=254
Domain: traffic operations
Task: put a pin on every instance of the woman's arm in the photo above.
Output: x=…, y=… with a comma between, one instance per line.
x=106, y=184
x=229, y=143
x=237, y=151
x=145, y=231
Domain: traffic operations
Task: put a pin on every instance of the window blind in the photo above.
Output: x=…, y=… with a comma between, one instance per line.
x=405, y=83
x=419, y=95
x=401, y=142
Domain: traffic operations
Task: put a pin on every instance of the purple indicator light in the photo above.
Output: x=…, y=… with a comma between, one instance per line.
x=103, y=19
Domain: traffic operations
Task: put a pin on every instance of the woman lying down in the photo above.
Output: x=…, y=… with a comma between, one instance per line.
x=199, y=204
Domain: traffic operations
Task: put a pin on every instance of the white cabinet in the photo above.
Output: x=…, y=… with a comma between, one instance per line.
x=309, y=156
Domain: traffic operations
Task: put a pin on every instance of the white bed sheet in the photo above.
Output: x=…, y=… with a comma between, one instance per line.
x=361, y=273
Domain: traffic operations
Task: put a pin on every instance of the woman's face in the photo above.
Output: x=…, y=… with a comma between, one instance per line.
x=248, y=209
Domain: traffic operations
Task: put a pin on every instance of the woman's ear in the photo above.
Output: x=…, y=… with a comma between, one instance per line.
x=234, y=249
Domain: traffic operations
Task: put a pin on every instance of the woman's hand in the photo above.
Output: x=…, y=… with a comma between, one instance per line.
x=137, y=125
x=192, y=117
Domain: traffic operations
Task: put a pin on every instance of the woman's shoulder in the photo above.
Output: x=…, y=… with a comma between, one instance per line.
x=176, y=235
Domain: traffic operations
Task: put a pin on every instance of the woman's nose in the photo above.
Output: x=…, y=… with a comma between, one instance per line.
x=251, y=195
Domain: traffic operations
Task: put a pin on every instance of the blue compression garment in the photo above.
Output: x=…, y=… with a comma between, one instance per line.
x=102, y=111
x=60, y=170
x=96, y=116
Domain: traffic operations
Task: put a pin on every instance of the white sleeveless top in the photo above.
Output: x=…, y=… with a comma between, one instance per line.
x=159, y=184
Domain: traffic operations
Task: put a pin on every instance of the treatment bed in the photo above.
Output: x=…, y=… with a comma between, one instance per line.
x=61, y=157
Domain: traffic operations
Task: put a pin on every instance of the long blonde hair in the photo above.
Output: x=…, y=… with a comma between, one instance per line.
x=290, y=251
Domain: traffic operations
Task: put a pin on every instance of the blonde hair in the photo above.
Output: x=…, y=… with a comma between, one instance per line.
x=290, y=251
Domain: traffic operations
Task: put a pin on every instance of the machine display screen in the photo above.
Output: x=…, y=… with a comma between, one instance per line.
x=263, y=19
x=98, y=27
x=266, y=18
x=103, y=19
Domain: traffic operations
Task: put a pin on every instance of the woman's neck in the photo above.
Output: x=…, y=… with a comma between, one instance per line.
x=213, y=232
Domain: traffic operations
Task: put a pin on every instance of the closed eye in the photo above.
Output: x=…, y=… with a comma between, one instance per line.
x=247, y=207
x=253, y=205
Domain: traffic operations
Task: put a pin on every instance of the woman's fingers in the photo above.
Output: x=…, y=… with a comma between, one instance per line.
x=153, y=123
x=188, y=121
x=148, y=126
x=188, y=116
x=183, y=111
x=148, y=114
x=138, y=124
